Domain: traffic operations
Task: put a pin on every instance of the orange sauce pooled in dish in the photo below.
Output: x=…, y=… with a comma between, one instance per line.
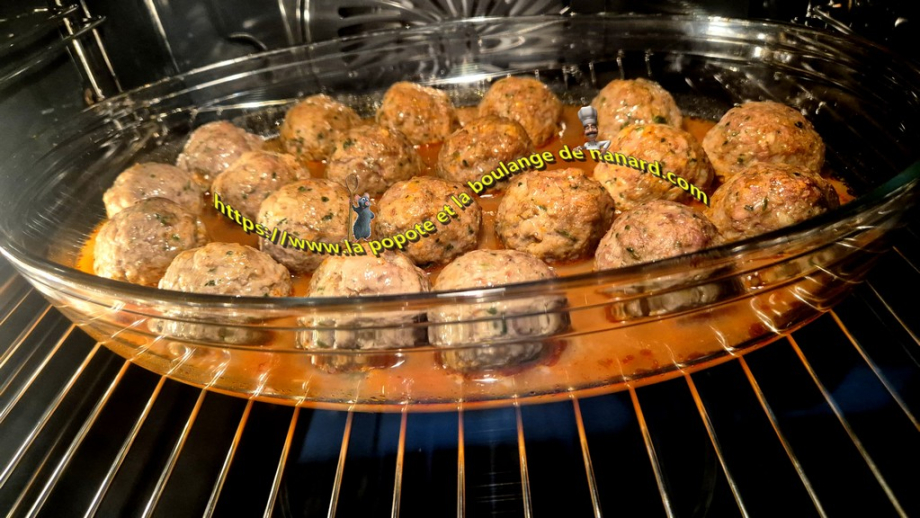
x=222, y=229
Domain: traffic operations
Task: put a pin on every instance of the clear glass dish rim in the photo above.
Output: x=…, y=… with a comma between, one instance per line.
x=862, y=205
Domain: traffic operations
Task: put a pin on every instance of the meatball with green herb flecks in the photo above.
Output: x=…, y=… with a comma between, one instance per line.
x=424, y=115
x=557, y=215
x=378, y=157
x=150, y=180
x=392, y=273
x=654, y=230
x=528, y=102
x=477, y=148
x=310, y=211
x=253, y=178
x=227, y=269
x=454, y=325
x=419, y=200
x=313, y=126
x=213, y=148
x=767, y=197
x=139, y=243
x=682, y=171
x=623, y=102
x=766, y=132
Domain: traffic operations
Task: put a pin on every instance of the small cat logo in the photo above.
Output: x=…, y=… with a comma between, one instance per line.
x=362, y=227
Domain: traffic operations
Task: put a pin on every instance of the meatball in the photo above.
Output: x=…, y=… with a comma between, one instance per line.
x=390, y=273
x=763, y=132
x=227, y=269
x=650, y=232
x=526, y=101
x=418, y=200
x=138, y=243
x=212, y=148
x=314, y=210
x=312, y=127
x=556, y=215
x=654, y=230
x=675, y=150
x=513, y=320
x=149, y=180
x=633, y=101
x=479, y=146
x=361, y=276
x=253, y=177
x=424, y=115
x=376, y=155
x=222, y=269
x=767, y=197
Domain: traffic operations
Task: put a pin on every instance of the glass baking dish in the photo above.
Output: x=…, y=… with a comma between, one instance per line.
x=633, y=325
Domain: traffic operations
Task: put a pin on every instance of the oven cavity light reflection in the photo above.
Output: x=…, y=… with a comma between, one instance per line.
x=717, y=28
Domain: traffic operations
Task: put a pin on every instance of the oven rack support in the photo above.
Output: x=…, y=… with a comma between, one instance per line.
x=36, y=37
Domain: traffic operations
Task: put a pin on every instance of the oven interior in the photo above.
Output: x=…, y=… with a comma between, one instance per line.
x=820, y=423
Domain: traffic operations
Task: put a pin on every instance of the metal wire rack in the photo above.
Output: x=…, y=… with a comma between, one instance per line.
x=820, y=423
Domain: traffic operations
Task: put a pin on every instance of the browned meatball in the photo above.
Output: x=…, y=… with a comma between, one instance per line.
x=253, y=177
x=363, y=276
x=424, y=115
x=313, y=210
x=149, y=180
x=654, y=230
x=763, y=132
x=418, y=200
x=526, y=101
x=221, y=269
x=676, y=151
x=555, y=215
x=212, y=148
x=488, y=268
x=390, y=273
x=313, y=126
x=139, y=243
x=466, y=114
x=227, y=269
x=455, y=325
x=376, y=155
x=767, y=197
x=479, y=146
x=633, y=101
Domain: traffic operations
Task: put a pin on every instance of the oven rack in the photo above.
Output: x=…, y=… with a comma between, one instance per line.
x=33, y=38
x=820, y=423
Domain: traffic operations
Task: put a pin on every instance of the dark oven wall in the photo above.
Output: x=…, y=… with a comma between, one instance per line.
x=150, y=39
x=39, y=96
